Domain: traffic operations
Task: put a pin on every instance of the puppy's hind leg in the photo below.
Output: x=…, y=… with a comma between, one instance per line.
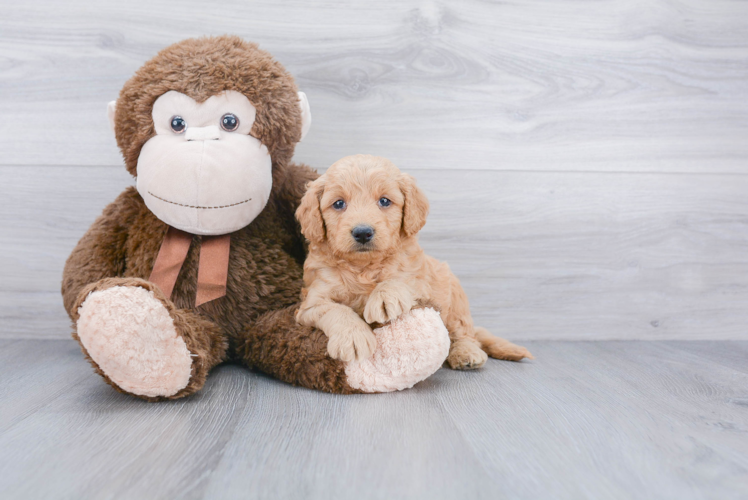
x=466, y=354
x=499, y=348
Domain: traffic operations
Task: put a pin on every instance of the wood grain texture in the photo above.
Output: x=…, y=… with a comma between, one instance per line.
x=47, y=210
x=586, y=167
x=648, y=85
x=539, y=91
x=590, y=420
x=541, y=255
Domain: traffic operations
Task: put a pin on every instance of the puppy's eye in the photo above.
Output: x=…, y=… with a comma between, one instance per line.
x=338, y=205
x=178, y=124
x=384, y=202
x=229, y=122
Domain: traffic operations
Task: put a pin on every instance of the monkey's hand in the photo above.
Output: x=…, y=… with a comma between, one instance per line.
x=389, y=300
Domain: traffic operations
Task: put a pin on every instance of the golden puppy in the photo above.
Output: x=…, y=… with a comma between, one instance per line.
x=365, y=265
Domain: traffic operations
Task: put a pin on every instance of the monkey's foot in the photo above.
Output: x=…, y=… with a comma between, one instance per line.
x=131, y=337
x=409, y=349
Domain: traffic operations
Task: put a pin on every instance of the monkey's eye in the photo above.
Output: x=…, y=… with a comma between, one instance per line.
x=384, y=202
x=338, y=205
x=229, y=122
x=178, y=124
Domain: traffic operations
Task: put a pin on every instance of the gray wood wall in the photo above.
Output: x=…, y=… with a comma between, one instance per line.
x=587, y=162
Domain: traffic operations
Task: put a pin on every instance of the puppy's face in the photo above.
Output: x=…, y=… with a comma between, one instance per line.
x=362, y=205
x=362, y=210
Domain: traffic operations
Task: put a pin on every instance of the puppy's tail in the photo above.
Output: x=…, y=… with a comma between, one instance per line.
x=499, y=348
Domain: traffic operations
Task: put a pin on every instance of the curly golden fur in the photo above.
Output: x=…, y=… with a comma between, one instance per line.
x=351, y=283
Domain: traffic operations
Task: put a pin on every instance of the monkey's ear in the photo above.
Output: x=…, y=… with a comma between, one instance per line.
x=309, y=213
x=416, y=206
x=111, y=108
x=306, y=115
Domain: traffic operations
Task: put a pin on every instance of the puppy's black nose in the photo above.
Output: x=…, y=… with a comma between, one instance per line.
x=363, y=234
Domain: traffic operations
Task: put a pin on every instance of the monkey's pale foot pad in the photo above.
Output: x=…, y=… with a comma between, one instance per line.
x=409, y=349
x=132, y=338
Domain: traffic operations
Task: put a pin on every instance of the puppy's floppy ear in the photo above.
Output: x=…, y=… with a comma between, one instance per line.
x=309, y=214
x=416, y=206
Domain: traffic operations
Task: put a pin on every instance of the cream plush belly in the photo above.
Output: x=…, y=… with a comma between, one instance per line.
x=409, y=349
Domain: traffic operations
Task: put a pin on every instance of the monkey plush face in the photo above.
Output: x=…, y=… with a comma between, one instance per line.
x=203, y=172
x=208, y=127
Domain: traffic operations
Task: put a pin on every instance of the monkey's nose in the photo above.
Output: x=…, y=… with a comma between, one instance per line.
x=209, y=133
x=363, y=234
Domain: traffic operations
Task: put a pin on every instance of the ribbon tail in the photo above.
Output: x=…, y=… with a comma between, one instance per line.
x=170, y=258
x=213, y=269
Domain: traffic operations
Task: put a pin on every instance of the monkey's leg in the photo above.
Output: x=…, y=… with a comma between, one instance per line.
x=275, y=344
x=141, y=343
x=409, y=350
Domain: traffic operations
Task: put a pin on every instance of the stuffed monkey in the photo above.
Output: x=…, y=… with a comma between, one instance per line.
x=201, y=262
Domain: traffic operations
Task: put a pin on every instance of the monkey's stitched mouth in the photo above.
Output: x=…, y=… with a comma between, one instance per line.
x=196, y=206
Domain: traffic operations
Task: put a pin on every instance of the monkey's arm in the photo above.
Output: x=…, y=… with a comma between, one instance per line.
x=294, y=185
x=288, y=198
x=101, y=251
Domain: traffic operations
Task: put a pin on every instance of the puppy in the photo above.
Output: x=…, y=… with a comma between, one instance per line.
x=365, y=265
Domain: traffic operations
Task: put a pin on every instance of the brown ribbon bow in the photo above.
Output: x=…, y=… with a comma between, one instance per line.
x=213, y=267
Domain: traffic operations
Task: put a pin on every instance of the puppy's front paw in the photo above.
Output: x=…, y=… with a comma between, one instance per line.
x=386, y=304
x=466, y=355
x=355, y=342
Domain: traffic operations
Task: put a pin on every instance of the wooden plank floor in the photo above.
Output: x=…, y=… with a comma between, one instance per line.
x=632, y=419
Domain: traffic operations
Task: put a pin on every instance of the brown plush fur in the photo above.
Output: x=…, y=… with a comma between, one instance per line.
x=201, y=68
x=349, y=284
x=252, y=323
